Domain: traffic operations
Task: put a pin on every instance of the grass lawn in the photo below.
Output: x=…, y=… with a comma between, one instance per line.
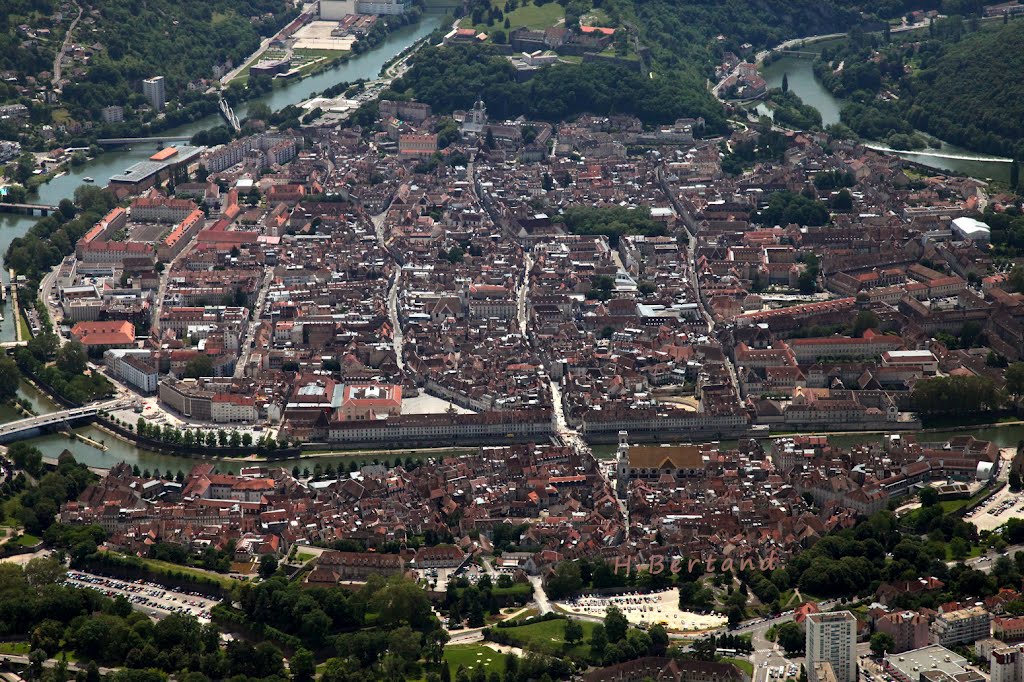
x=472, y=655
x=528, y=613
x=26, y=333
x=14, y=648
x=303, y=557
x=27, y=540
x=596, y=17
x=549, y=637
x=529, y=16
x=167, y=567
x=317, y=59
x=243, y=75
x=741, y=663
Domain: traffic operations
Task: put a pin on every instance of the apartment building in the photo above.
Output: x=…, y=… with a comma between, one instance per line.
x=1008, y=629
x=962, y=626
x=832, y=638
x=155, y=92
x=908, y=629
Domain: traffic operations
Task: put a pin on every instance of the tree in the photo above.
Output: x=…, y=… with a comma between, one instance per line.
x=71, y=359
x=659, y=640
x=1015, y=378
x=564, y=581
x=200, y=365
x=929, y=497
x=598, y=639
x=615, y=624
x=882, y=642
x=1016, y=278
x=10, y=379
x=573, y=631
x=785, y=82
x=866, y=319
x=268, y=566
x=302, y=666
x=790, y=637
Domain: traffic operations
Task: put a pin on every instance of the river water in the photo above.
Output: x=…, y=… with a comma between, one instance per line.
x=800, y=73
x=366, y=65
x=801, y=81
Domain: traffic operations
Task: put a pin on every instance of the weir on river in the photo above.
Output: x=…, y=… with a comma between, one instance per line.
x=940, y=155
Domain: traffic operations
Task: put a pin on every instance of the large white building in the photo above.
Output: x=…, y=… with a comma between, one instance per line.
x=969, y=228
x=155, y=91
x=962, y=626
x=832, y=638
x=336, y=10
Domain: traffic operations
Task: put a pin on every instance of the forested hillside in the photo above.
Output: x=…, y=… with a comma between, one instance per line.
x=972, y=92
x=179, y=39
x=454, y=77
x=13, y=55
x=957, y=82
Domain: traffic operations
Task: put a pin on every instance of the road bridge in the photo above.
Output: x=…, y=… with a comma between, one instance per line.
x=30, y=209
x=158, y=140
x=23, y=428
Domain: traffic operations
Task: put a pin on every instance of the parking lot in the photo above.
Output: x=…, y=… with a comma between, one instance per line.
x=153, y=599
x=1003, y=506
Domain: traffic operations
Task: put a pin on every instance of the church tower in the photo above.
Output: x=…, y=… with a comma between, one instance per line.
x=622, y=465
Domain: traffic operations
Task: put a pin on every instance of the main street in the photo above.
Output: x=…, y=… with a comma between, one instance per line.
x=252, y=325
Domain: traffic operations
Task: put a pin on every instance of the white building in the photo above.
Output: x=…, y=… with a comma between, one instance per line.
x=832, y=638
x=962, y=626
x=1005, y=664
x=134, y=368
x=969, y=228
x=112, y=114
x=335, y=10
x=155, y=91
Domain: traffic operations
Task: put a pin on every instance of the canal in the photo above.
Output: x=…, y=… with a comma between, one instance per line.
x=800, y=74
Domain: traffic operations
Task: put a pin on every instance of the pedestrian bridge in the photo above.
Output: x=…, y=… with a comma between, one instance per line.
x=25, y=428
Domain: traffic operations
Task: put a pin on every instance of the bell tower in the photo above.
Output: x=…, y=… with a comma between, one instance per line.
x=622, y=464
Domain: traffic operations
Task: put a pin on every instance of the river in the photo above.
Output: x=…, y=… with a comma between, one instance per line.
x=800, y=74
x=368, y=65
x=365, y=66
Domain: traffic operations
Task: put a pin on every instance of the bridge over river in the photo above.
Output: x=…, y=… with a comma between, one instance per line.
x=26, y=428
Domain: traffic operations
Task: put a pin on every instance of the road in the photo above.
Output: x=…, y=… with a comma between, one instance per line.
x=264, y=44
x=57, y=66
x=50, y=295
x=523, y=308
x=986, y=561
x=52, y=663
x=394, y=284
x=253, y=325
x=539, y=595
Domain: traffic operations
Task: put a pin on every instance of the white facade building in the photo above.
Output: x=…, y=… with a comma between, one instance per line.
x=832, y=638
x=155, y=91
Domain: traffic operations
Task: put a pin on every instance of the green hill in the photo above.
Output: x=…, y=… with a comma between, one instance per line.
x=972, y=93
